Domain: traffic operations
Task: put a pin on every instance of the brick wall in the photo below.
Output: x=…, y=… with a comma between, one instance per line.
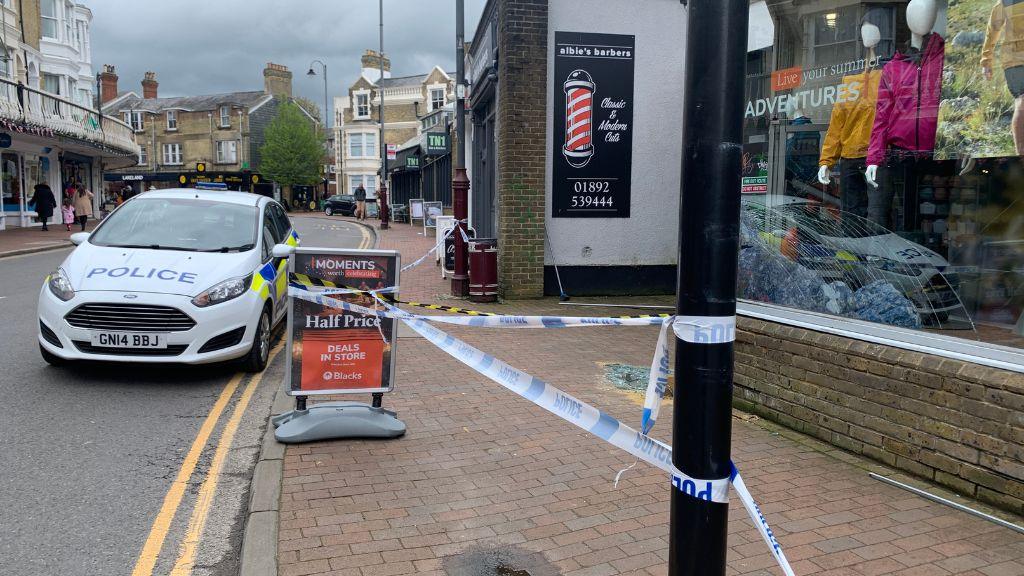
x=522, y=95
x=952, y=422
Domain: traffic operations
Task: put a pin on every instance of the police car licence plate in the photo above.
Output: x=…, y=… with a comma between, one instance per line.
x=128, y=340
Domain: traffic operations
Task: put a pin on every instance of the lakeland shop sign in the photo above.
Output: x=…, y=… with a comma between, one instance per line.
x=335, y=351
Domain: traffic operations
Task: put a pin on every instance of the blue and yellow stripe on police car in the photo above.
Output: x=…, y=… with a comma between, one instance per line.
x=293, y=239
x=261, y=280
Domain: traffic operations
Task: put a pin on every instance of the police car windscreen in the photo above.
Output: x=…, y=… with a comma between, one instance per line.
x=179, y=224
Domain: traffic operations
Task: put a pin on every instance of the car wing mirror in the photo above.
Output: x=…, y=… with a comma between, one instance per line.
x=283, y=250
x=79, y=238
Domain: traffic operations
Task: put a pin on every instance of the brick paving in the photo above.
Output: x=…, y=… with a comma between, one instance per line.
x=481, y=469
x=16, y=240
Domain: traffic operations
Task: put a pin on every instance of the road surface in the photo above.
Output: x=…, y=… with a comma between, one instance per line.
x=102, y=466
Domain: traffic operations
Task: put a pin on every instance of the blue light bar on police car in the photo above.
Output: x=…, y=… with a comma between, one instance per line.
x=211, y=186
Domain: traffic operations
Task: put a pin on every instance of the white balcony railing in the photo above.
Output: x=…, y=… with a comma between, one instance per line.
x=44, y=112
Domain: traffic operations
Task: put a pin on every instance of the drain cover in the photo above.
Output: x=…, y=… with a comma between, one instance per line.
x=506, y=571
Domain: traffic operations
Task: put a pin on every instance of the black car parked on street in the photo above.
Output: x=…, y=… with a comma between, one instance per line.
x=343, y=204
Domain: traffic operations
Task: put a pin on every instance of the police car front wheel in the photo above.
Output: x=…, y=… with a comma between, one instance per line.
x=256, y=359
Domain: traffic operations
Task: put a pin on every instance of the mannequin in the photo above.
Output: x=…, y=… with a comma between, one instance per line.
x=849, y=128
x=1001, y=24
x=906, y=116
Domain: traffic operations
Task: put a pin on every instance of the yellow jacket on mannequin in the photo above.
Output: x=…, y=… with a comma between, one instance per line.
x=849, y=129
x=1007, y=21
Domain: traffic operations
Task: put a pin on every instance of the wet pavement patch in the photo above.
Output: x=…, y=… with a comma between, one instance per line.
x=633, y=378
x=498, y=561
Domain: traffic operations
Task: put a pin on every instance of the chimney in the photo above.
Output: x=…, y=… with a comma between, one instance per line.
x=149, y=85
x=108, y=84
x=371, y=65
x=277, y=80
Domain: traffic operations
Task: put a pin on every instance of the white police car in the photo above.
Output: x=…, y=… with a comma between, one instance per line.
x=179, y=275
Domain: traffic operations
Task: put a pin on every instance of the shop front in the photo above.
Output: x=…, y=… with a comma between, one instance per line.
x=24, y=164
x=142, y=181
x=882, y=171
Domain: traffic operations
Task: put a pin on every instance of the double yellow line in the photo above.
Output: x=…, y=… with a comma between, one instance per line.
x=200, y=512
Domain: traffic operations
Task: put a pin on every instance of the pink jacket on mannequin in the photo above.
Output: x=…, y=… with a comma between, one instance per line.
x=907, y=112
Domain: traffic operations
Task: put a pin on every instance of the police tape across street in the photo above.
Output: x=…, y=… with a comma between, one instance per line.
x=570, y=408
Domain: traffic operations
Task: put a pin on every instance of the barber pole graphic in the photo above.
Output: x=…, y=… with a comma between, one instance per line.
x=579, y=104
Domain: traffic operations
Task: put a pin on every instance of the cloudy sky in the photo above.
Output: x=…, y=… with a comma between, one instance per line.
x=211, y=46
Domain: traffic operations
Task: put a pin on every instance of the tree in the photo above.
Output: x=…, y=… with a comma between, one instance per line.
x=291, y=153
x=309, y=106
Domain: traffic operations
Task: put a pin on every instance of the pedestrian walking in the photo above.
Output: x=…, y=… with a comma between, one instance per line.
x=360, y=203
x=43, y=200
x=83, y=205
x=67, y=211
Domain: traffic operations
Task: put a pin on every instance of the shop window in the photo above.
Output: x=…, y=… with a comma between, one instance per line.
x=227, y=152
x=436, y=99
x=882, y=170
x=172, y=119
x=48, y=18
x=225, y=116
x=172, y=154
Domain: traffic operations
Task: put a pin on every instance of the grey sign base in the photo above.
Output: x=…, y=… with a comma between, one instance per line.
x=331, y=420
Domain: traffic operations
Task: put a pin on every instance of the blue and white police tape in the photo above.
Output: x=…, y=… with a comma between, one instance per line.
x=658, y=380
x=420, y=260
x=759, y=521
x=697, y=329
x=572, y=409
x=585, y=416
x=323, y=297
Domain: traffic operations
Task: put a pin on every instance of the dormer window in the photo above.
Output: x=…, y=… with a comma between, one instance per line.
x=362, y=106
x=436, y=99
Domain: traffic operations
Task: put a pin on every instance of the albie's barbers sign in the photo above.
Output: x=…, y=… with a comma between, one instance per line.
x=592, y=148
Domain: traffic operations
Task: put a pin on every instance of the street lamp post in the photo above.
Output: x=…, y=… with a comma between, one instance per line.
x=709, y=215
x=460, y=182
x=382, y=194
x=327, y=113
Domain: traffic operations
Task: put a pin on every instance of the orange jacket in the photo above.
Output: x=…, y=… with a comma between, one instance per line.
x=849, y=130
x=1005, y=21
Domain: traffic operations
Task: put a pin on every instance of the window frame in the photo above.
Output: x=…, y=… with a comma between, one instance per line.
x=220, y=149
x=172, y=120
x=54, y=18
x=143, y=156
x=45, y=77
x=225, y=116
x=357, y=106
x=175, y=149
x=134, y=119
x=444, y=98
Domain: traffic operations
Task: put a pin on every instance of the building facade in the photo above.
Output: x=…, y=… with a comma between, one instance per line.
x=880, y=294
x=357, y=125
x=50, y=131
x=190, y=139
x=66, y=51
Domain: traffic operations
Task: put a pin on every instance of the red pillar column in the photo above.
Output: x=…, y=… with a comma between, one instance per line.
x=460, y=206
